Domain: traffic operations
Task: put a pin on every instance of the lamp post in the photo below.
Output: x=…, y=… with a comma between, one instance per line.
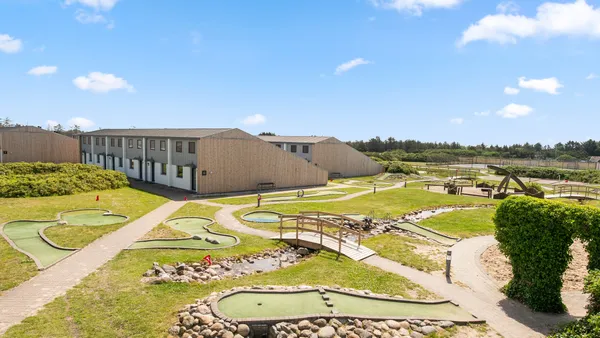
x=448, y=261
x=374, y=187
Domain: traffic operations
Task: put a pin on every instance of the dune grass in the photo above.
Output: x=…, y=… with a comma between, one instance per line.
x=16, y=267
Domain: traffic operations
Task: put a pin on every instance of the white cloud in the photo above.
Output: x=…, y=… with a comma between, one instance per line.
x=43, y=70
x=51, y=124
x=85, y=17
x=591, y=76
x=99, y=5
x=414, y=7
x=511, y=91
x=101, y=83
x=552, y=19
x=254, y=120
x=514, y=110
x=8, y=44
x=344, y=67
x=483, y=113
x=82, y=122
x=196, y=37
x=457, y=120
x=549, y=85
x=507, y=7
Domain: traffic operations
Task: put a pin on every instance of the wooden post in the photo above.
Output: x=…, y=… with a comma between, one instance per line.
x=280, y=227
x=340, y=242
x=320, y=226
x=297, y=240
x=359, y=236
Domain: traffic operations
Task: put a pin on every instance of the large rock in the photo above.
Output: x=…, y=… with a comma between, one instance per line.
x=206, y=319
x=217, y=327
x=416, y=335
x=428, y=329
x=404, y=324
x=243, y=330
x=174, y=330
x=403, y=332
x=341, y=332
x=446, y=324
x=227, y=334
x=304, y=325
x=203, y=309
x=169, y=269
x=326, y=332
x=305, y=333
x=187, y=321
x=320, y=322
x=303, y=251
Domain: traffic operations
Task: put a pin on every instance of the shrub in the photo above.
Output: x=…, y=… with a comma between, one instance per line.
x=536, y=235
x=48, y=179
x=587, y=327
x=592, y=286
x=401, y=168
x=587, y=176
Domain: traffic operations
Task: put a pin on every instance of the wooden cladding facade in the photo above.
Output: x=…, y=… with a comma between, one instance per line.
x=337, y=157
x=32, y=144
x=237, y=161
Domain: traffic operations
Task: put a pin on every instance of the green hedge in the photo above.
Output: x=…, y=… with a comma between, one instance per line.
x=48, y=179
x=587, y=176
x=401, y=168
x=535, y=235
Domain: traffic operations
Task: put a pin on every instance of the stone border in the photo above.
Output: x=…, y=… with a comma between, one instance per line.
x=206, y=227
x=243, y=217
x=37, y=262
x=272, y=320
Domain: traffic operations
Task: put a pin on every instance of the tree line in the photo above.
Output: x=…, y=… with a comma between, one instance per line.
x=571, y=150
x=59, y=128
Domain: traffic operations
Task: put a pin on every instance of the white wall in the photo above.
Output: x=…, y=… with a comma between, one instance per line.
x=133, y=173
x=181, y=183
x=158, y=178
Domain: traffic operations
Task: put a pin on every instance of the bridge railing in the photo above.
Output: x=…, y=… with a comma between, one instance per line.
x=303, y=221
x=569, y=190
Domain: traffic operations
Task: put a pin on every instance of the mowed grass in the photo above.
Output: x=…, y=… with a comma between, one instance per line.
x=401, y=249
x=189, y=209
x=16, y=267
x=463, y=223
x=113, y=302
x=307, y=196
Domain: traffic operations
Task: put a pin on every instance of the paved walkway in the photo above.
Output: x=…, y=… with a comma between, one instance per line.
x=26, y=299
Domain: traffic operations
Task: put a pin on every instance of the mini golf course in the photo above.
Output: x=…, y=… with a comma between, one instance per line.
x=253, y=306
x=28, y=236
x=306, y=195
x=436, y=236
x=262, y=217
x=201, y=237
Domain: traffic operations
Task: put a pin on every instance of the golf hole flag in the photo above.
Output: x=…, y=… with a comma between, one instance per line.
x=97, y=198
x=207, y=259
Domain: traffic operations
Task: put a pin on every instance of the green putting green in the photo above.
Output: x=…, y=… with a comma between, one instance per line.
x=91, y=217
x=306, y=195
x=245, y=305
x=427, y=233
x=261, y=217
x=25, y=235
x=193, y=226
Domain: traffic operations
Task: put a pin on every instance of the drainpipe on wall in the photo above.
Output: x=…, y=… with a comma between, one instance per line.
x=105, y=151
x=123, y=161
x=145, y=169
x=92, y=138
x=169, y=162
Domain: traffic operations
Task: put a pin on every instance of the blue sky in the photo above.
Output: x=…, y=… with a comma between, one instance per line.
x=417, y=69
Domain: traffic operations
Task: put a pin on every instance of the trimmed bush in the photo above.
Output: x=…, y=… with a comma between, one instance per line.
x=536, y=235
x=49, y=179
x=401, y=168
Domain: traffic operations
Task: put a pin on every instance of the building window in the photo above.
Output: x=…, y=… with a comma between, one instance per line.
x=89, y=140
x=97, y=141
x=120, y=162
x=139, y=144
x=83, y=140
x=131, y=164
x=179, y=171
x=192, y=147
x=278, y=145
x=104, y=141
x=293, y=148
x=112, y=142
x=305, y=149
x=178, y=146
x=163, y=145
x=152, y=144
x=163, y=168
x=119, y=142
x=130, y=143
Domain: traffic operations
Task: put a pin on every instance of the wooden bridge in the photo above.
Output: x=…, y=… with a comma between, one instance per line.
x=310, y=232
x=579, y=191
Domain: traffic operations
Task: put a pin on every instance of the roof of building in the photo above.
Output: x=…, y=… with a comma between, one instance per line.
x=158, y=132
x=595, y=159
x=295, y=139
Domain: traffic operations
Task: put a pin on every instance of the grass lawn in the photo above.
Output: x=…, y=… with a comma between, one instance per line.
x=307, y=196
x=401, y=249
x=114, y=303
x=463, y=223
x=15, y=267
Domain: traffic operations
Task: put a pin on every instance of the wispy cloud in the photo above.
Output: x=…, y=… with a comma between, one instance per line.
x=43, y=70
x=9, y=45
x=99, y=5
x=414, y=7
x=457, y=120
x=344, y=67
x=97, y=82
x=549, y=85
x=82, y=122
x=514, y=110
x=255, y=119
x=511, y=91
x=591, y=76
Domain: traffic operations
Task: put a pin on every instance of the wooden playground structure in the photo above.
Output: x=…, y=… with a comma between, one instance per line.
x=310, y=232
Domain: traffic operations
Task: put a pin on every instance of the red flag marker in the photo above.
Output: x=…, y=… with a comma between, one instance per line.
x=97, y=198
x=207, y=259
x=185, y=198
